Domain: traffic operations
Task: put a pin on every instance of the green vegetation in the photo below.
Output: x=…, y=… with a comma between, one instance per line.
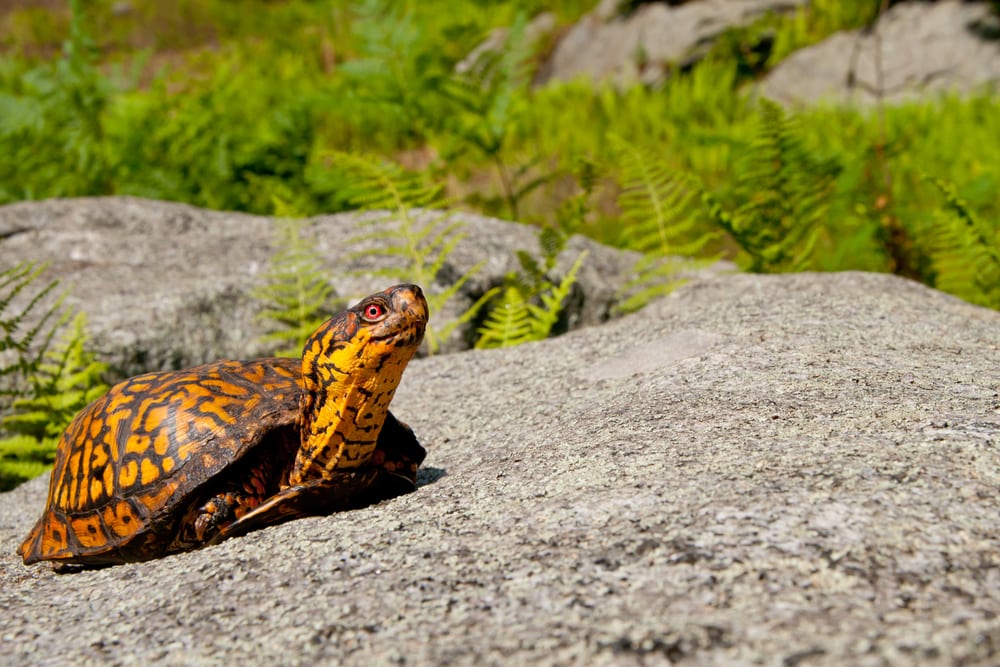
x=411, y=231
x=295, y=291
x=247, y=107
x=63, y=382
x=530, y=305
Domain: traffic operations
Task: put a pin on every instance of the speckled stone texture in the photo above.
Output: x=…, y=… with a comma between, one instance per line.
x=758, y=470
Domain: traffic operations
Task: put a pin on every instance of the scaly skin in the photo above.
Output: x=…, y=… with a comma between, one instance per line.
x=173, y=460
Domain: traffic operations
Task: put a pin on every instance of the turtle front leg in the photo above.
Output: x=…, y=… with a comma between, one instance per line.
x=340, y=491
x=205, y=519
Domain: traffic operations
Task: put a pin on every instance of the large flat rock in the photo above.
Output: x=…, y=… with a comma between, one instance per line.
x=798, y=470
x=169, y=285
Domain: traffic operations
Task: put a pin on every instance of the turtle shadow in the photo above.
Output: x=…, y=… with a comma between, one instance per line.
x=429, y=475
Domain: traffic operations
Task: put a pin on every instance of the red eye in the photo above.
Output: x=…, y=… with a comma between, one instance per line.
x=373, y=311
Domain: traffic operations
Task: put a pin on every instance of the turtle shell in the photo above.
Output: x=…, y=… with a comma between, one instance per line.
x=136, y=460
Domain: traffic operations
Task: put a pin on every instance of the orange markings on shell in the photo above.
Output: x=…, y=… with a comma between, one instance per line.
x=96, y=490
x=154, y=417
x=128, y=474
x=120, y=518
x=158, y=498
x=88, y=530
x=148, y=472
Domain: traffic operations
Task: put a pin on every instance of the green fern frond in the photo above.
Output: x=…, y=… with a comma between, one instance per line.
x=545, y=317
x=656, y=206
x=664, y=219
x=655, y=277
x=21, y=351
x=786, y=192
x=509, y=323
x=412, y=230
x=296, y=294
x=68, y=378
x=964, y=251
x=23, y=457
x=445, y=330
x=517, y=319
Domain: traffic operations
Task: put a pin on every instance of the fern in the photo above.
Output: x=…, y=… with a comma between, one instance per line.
x=964, y=251
x=67, y=379
x=486, y=103
x=531, y=305
x=786, y=193
x=296, y=294
x=52, y=128
x=508, y=323
x=400, y=72
x=417, y=237
x=23, y=347
x=573, y=212
x=660, y=218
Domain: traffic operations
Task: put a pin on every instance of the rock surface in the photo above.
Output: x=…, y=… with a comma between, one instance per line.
x=924, y=49
x=798, y=470
x=168, y=285
x=646, y=44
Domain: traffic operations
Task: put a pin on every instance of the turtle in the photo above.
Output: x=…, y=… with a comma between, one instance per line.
x=171, y=461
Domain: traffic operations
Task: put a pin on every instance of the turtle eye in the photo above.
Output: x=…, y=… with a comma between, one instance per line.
x=373, y=312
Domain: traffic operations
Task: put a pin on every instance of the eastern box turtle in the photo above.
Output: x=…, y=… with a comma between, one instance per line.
x=171, y=461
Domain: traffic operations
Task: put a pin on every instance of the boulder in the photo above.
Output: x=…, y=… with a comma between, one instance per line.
x=922, y=49
x=778, y=470
x=168, y=285
x=645, y=45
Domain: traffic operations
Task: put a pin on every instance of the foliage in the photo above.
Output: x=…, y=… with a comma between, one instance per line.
x=399, y=72
x=413, y=232
x=68, y=378
x=52, y=124
x=660, y=218
x=819, y=20
x=240, y=105
x=965, y=252
x=486, y=106
x=530, y=305
x=296, y=293
x=23, y=345
x=785, y=191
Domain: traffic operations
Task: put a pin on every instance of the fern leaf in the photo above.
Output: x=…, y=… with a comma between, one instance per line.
x=69, y=378
x=295, y=292
x=23, y=457
x=508, y=324
x=419, y=240
x=964, y=251
x=470, y=313
x=21, y=351
x=785, y=190
x=553, y=300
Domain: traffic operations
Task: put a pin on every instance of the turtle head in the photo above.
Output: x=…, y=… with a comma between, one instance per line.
x=351, y=367
x=383, y=324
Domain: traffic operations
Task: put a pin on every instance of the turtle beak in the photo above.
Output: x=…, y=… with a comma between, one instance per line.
x=409, y=299
x=409, y=302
